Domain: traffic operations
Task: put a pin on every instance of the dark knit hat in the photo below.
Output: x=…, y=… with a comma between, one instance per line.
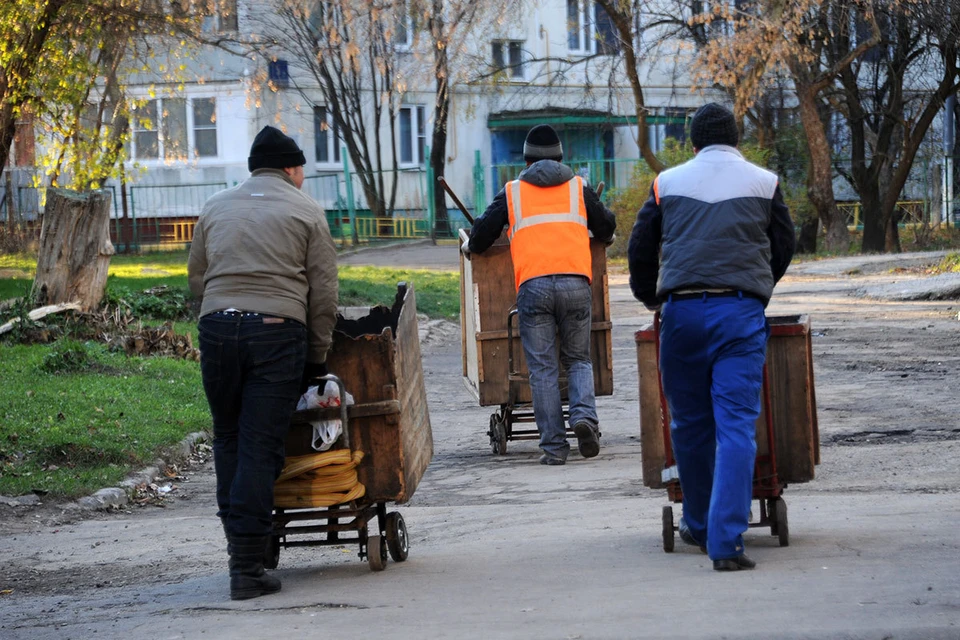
x=273, y=149
x=542, y=143
x=713, y=124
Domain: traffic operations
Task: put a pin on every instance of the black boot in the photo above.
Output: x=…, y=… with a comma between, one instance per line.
x=247, y=577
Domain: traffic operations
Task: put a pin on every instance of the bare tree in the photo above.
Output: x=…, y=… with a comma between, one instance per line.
x=776, y=36
x=890, y=97
x=348, y=48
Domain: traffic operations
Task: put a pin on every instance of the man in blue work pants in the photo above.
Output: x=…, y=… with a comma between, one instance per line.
x=707, y=249
x=711, y=363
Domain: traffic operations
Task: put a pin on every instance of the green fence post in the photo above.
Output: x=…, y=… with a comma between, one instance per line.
x=431, y=209
x=479, y=189
x=351, y=209
x=135, y=237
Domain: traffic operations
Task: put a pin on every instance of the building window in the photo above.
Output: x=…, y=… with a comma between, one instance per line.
x=508, y=57
x=413, y=136
x=590, y=29
x=175, y=129
x=326, y=137
x=205, y=127
x=223, y=18
x=403, y=27
x=146, y=137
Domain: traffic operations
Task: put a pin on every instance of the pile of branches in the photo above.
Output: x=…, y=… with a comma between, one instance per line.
x=112, y=324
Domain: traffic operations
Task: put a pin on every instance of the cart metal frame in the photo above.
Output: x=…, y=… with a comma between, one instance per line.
x=512, y=412
x=767, y=487
x=326, y=525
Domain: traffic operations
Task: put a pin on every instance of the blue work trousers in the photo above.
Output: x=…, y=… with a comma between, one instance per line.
x=553, y=308
x=712, y=351
x=251, y=367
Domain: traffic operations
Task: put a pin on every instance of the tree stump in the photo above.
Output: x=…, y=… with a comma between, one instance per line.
x=75, y=248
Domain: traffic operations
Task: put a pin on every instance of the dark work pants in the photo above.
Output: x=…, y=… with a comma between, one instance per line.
x=251, y=375
x=711, y=362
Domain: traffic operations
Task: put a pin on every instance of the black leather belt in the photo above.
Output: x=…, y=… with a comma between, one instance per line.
x=702, y=295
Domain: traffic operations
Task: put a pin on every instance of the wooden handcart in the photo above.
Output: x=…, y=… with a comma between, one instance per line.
x=494, y=367
x=788, y=441
x=377, y=358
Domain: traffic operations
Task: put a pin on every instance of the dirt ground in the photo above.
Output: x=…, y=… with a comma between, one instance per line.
x=887, y=379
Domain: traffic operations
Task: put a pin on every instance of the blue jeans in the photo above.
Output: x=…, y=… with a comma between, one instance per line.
x=251, y=375
x=550, y=307
x=712, y=352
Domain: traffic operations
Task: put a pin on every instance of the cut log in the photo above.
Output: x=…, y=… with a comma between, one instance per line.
x=75, y=248
x=41, y=312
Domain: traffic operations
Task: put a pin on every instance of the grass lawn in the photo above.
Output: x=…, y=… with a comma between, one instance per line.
x=70, y=430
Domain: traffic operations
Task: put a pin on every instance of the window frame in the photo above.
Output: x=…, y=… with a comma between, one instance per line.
x=418, y=135
x=408, y=24
x=332, y=134
x=158, y=127
x=587, y=34
x=514, y=71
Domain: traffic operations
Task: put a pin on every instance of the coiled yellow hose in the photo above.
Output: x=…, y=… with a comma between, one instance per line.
x=319, y=480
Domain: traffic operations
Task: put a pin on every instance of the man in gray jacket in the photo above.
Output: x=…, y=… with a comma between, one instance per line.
x=265, y=266
x=709, y=245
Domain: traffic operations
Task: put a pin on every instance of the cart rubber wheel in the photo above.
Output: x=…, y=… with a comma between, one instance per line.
x=376, y=553
x=772, y=515
x=783, y=530
x=271, y=555
x=668, y=539
x=498, y=436
x=397, y=542
x=492, y=432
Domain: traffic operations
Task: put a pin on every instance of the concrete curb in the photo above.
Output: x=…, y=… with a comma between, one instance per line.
x=115, y=497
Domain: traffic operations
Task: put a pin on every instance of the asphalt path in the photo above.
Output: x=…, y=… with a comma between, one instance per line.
x=502, y=547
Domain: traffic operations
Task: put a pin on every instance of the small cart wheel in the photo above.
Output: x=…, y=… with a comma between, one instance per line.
x=498, y=435
x=783, y=530
x=771, y=515
x=397, y=542
x=376, y=553
x=668, y=539
x=271, y=554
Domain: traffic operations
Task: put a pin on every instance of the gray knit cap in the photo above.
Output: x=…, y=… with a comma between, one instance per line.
x=542, y=143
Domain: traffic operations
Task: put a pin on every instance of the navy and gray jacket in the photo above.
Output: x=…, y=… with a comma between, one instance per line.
x=543, y=173
x=714, y=222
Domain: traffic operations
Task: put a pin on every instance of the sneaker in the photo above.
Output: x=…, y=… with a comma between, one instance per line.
x=587, y=440
x=551, y=460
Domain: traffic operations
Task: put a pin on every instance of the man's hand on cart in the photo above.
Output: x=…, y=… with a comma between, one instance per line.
x=311, y=372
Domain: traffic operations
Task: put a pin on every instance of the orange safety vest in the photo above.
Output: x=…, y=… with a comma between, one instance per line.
x=548, y=230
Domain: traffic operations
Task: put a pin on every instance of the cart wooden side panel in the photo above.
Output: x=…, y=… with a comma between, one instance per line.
x=487, y=293
x=389, y=421
x=792, y=400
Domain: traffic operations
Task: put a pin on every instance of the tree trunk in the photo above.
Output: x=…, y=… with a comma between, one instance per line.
x=874, y=222
x=820, y=188
x=438, y=144
x=807, y=238
x=75, y=248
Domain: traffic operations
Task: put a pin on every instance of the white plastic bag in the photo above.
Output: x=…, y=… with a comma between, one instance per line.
x=325, y=432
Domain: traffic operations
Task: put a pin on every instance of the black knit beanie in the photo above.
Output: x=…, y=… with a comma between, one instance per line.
x=542, y=143
x=713, y=124
x=272, y=149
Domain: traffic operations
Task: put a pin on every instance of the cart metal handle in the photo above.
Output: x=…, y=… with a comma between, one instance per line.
x=513, y=312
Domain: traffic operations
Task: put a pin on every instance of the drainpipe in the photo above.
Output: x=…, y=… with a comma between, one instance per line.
x=949, y=145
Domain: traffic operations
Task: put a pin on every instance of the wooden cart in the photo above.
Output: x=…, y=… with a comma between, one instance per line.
x=788, y=439
x=377, y=358
x=494, y=368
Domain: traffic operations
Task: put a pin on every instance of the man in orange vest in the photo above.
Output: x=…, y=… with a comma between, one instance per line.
x=549, y=214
